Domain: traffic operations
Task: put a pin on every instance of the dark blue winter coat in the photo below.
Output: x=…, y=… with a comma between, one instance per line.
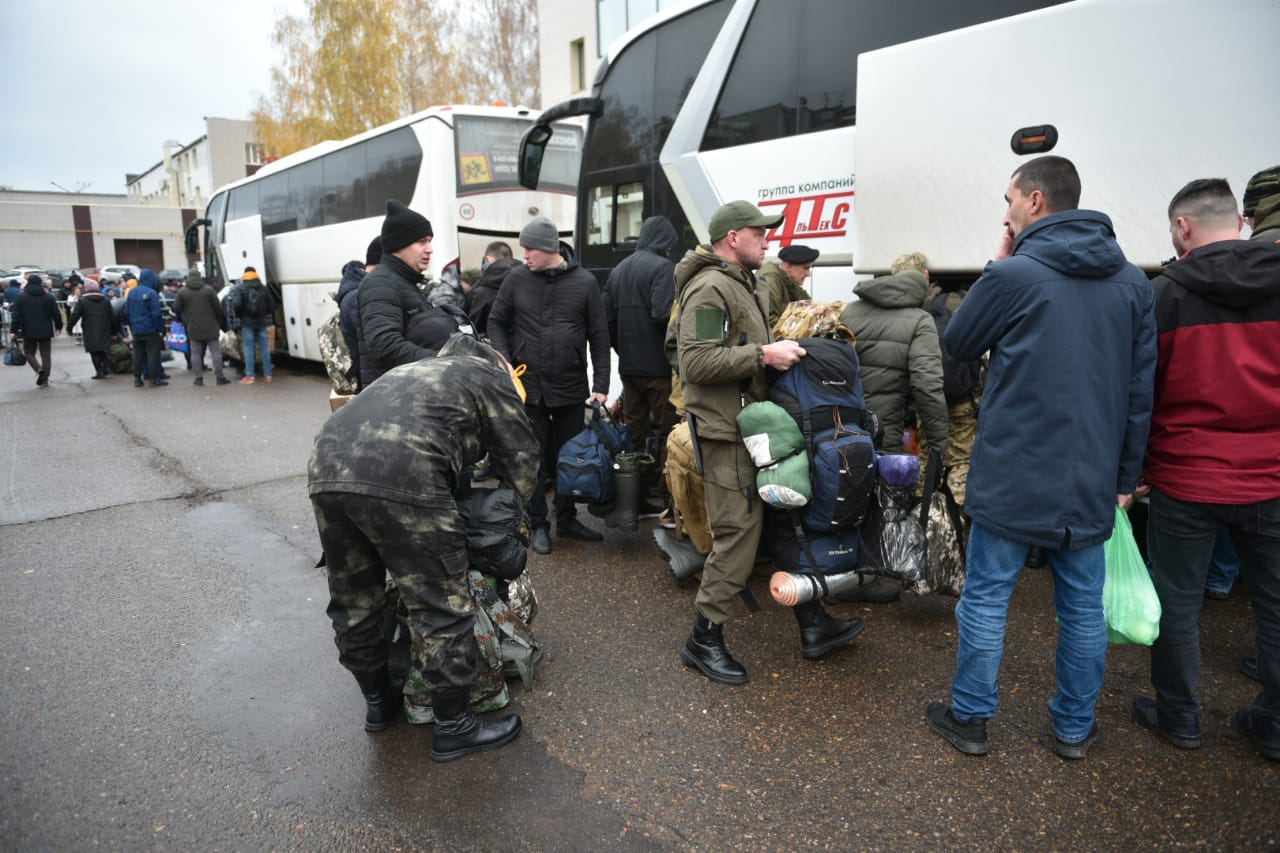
x=637, y=301
x=348, y=309
x=1064, y=417
x=142, y=306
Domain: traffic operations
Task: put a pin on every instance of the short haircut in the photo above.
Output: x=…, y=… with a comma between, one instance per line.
x=1207, y=200
x=1056, y=179
x=497, y=250
x=909, y=261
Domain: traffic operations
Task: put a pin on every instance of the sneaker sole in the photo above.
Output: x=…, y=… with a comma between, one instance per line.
x=484, y=747
x=1073, y=751
x=690, y=660
x=1180, y=741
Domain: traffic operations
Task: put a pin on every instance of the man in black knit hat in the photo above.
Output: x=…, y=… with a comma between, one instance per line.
x=389, y=295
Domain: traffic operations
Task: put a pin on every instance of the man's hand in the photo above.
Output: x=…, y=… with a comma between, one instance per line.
x=596, y=397
x=1004, y=249
x=782, y=354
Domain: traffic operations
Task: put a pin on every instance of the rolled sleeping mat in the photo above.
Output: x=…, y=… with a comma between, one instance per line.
x=790, y=588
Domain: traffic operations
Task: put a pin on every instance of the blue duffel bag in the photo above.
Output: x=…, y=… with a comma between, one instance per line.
x=584, y=470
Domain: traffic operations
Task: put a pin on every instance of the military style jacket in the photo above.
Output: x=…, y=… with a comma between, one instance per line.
x=406, y=437
x=782, y=290
x=720, y=341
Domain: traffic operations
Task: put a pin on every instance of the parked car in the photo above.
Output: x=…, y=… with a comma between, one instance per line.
x=114, y=272
x=21, y=272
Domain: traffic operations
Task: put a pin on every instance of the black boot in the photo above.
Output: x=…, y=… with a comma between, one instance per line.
x=459, y=732
x=705, y=649
x=382, y=697
x=820, y=632
x=626, y=499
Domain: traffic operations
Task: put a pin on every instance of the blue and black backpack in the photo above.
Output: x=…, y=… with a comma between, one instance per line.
x=823, y=392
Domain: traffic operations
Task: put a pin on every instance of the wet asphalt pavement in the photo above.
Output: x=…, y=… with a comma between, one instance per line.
x=171, y=681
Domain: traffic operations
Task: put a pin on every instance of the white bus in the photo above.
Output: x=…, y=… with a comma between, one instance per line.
x=772, y=100
x=299, y=219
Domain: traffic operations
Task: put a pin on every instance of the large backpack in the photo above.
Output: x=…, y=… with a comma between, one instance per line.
x=959, y=378
x=823, y=393
x=256, y=302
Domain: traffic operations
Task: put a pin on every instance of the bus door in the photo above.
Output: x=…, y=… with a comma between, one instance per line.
x=243, y=248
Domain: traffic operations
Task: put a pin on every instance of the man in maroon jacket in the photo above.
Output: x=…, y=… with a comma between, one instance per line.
x=1211, y=456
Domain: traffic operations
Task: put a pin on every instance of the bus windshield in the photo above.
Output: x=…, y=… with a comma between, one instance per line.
x=488, y=154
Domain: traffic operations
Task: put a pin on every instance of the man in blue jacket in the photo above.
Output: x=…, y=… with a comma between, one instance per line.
x=1070, y=326
x=146, y=323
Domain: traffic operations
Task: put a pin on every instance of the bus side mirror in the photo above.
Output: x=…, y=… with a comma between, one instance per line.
x=533, y=145
x=191, y=237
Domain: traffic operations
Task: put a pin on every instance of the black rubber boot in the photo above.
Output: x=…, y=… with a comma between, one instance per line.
x=458, y=731
x=382, y=697
x=705, y=649
x=820, y=632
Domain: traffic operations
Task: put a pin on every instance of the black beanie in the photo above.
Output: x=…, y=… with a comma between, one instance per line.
x=373, y=254
x=402, y=227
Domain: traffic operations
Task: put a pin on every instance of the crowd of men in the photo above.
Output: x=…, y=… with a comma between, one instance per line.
x=1063, y=361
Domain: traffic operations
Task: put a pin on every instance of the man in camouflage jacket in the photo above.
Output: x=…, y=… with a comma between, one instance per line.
x=381, y=479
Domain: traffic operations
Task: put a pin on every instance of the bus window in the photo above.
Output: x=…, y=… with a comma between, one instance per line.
x=243, y=202
x=488, y=152
x=393, y=161
x=599, y=216
x=344, y=186
x=796, y=70
x=629, y=206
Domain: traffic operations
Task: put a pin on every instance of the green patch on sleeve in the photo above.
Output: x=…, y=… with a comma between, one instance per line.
x=709, y=324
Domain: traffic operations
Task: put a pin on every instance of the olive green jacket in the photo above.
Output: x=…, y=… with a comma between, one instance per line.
x=720, y=339
x=782, y=290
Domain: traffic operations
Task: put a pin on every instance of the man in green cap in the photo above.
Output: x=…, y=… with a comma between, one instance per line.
x=723, y=347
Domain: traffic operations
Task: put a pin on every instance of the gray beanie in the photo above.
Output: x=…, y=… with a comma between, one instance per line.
x=541, y=234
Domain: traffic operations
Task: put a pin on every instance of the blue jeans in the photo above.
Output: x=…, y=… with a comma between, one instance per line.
x=252, y=338
x=1181, y=535
x=981, y=616
x=1224, y=568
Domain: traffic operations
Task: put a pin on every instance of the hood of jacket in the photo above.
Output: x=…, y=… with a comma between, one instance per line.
x=1267, y=213
x=906, y=289
x=34, y=288
x=1077, y=243
x=352, y=274
x=1231, y=273
x=657, y=234
x=698, y=259
x=195, y=284
x=496, y=272
x=150, y=279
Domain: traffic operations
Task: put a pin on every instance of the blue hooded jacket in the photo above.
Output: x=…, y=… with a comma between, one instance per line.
x=1064, y=417
x=142, y=306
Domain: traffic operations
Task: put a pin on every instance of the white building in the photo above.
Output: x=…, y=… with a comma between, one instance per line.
x=188, y=174
x=573, y=36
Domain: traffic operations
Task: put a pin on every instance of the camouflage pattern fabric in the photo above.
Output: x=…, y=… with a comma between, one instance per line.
x=366, y=538
x=944, y=552
x=811, y=318
x=337, y=358
x=962, y=429
x=445, y=293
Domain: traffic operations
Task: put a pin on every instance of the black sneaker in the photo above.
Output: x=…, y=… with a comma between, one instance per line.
x=1075, y=751
x=970, y=738
x=1148, y=716
x=1244, y=721
x=574, y=529
x=540, y=541
x=137, y=383
x=199, y=380
x=222, y=380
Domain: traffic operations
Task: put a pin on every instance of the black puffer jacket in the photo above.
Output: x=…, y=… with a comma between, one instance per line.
x=480, y=299
x=637, y=301
x=36, y=315
x=544, y=320
x=387, y=299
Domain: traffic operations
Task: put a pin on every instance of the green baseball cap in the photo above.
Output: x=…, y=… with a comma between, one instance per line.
x=736, y=215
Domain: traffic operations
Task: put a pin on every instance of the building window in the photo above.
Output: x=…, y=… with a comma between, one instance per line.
x=253, y=154
x=577, y=65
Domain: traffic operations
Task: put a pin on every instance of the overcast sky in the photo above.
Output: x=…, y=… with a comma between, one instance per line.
x=91, y=90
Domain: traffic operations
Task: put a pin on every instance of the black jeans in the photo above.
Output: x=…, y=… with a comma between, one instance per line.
x=553, y=425
x=1180, y=536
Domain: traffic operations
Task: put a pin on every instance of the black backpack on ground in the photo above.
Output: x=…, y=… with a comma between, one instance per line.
x=959, y=378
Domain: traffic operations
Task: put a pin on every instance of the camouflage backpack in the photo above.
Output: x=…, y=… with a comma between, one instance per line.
x=810, y=318
x=337, y=359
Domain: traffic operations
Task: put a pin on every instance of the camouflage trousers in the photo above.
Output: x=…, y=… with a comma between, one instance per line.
x=424, y=551
x=962, y=429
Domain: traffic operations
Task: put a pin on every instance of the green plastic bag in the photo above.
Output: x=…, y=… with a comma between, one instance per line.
x=1129, y=598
